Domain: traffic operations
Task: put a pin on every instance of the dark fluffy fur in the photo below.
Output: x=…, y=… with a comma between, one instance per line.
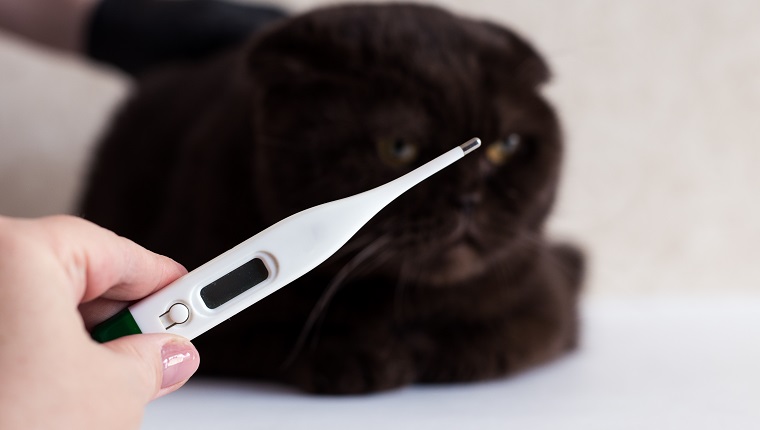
x=452, y=282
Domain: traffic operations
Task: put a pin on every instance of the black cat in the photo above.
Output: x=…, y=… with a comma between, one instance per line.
x=454, y=281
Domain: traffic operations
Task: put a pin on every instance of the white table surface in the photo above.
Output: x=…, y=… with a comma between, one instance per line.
x=644, y=364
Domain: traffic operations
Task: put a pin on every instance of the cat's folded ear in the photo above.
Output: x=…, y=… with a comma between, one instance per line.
x=530, y=69
x=350, y=41
x=291, y=53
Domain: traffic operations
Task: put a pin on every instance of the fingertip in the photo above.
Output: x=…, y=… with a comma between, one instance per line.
x=162, y=362
x=179, y=360
x=178, y=269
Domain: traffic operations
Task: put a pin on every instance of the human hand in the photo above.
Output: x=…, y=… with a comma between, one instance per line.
x=138, y=35
x=55, y=23
x=53, y=374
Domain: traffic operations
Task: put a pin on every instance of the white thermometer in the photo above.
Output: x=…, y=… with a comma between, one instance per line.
x=268, y=261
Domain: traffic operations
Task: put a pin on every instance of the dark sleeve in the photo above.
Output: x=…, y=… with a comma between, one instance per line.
x=135, y=35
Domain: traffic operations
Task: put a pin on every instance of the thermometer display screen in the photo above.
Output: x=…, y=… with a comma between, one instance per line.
x=234, y=283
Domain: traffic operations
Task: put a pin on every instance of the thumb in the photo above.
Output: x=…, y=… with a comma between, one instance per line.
x=161, y=362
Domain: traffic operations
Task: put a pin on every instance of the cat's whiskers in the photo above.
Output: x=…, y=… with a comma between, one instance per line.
x=403, y=280
x=343, y=274
x=362, y=268
x=353, y=245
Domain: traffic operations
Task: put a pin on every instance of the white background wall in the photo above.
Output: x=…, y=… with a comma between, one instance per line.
x=661, y=107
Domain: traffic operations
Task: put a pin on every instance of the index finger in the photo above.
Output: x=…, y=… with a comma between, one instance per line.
x=100, y=263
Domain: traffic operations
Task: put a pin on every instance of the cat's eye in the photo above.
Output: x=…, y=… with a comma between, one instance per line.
x=501, y=151
x=397, y=152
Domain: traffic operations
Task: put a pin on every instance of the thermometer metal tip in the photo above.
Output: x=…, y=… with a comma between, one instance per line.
x=470, y=145
x=266, y=262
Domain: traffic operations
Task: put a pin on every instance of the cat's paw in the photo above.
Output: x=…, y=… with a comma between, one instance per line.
x=572, y=262
x=354, y=371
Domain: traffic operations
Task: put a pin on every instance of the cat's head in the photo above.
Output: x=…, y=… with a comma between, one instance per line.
x=348, y=98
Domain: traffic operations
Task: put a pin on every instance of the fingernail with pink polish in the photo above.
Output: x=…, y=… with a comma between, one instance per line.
x=180, y=360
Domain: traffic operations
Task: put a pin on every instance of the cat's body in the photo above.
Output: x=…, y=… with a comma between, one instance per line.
x=452, y=282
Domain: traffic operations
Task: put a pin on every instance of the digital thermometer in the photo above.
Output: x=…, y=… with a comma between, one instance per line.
x=261, y=265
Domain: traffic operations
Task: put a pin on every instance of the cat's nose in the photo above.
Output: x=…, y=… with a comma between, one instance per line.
x=468, y=201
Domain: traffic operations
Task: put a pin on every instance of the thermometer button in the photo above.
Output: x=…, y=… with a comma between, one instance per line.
x=177, y=314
